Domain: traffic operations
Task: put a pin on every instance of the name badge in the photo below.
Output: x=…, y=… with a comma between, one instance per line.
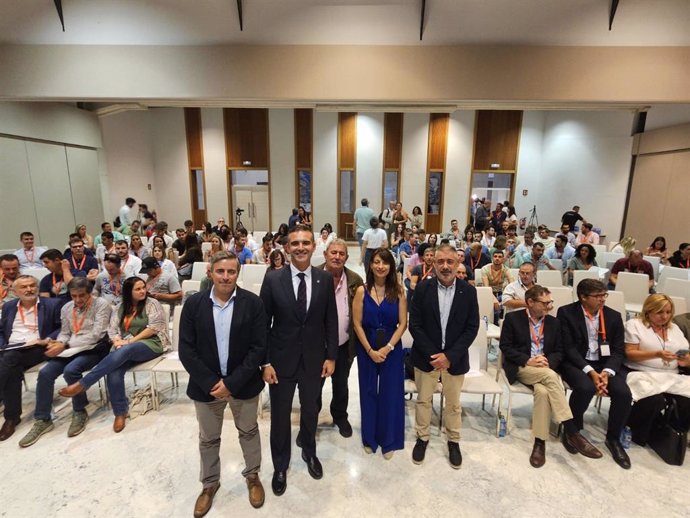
x=605, y=349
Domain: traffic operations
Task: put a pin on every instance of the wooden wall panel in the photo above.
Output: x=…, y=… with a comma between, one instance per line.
x=347, y=140
x=438, y=140
x=304, y=130
x=392, y=141
x=246, y=137
x=192, y=125
x=496, y=138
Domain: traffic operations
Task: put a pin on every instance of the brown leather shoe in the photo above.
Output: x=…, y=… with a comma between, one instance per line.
x=583, y=446
x=538, y=457
x=256, y=490
x=205, y=500
x=119, y=423
x=72, y=390
x=8, y=428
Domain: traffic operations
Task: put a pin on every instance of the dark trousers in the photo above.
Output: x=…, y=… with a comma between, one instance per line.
x=12, y=367
x=341, y=393
x=282, y=394
x=645, y=411
x=584, y=390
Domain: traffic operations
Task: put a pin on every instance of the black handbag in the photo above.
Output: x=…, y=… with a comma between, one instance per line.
x=667, y=439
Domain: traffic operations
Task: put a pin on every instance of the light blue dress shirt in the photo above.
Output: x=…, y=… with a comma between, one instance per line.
x=222, y=321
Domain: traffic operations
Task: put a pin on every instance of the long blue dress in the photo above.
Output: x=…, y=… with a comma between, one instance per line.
x=381, y=390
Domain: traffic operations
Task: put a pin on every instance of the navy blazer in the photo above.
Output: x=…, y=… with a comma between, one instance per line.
x=516, y=342
x=198, y=348
x=425, y=326
x=290, y=339
x=48, y=319
x=576, y=340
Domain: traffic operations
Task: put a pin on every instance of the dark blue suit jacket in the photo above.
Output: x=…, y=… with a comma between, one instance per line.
x=198, y=348
x=48, y=319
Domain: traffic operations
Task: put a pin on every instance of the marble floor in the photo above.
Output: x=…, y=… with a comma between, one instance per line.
x=151, y=470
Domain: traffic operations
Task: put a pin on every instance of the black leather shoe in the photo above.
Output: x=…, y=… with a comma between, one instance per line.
x=8, y=428
x=345, y=428
x=618, y=453
x=279, y=482
x=313, y=466
x=298, y=441
x=419, y=451
x=538, y=457
x=571, y=449
x=454, y=455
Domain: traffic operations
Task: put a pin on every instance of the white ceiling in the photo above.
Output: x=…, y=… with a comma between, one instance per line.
x=351, y=22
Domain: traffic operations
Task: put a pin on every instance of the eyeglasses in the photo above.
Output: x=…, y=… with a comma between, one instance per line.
x=599, y=296
x=545, y=302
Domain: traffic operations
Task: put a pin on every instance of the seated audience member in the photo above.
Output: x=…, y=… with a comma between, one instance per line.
x=514, y=294
x=565, y=230
x=240, y=248
x=683, y=322
x=658, y=249
x=532, y=352
x=67, y=253
x=81, y=344
x=477, y=237
x=216, y=246
x=488, y=237
x=323, y=240
x=206, y=233
x=29, y=255
x=80, y=230
x=571, y=217
x=219, y=224
x=133, y=230
x=593, y=354
x=656, y=352
x=160, y=230
x=129, y=264
x=109, y=282
x=408, y=247
x=54, y=285
x=107, y=227
x=106, y=246
x=397, y=237
x=585, y=257
x=294, y=218
x=139, y=333
x=9, y=271
x=499, y=246
x=33, y=323
x=544, y=237
x=461, y=272
x=192, y=255
x=496, y=275
x=624, y=246
x=304, y=216
x=454, y=234
x=373, y=238
x=475, y=259
x=261, y=256
x=137, y=248
x=79, y=260
x=178, y=244
x=634, y=263
x=537, y=258
x=587, y=235
x=524, y=248
x=189, y=230
x=681, y=257
x=276, y=260
x=160, y=285
x=158, y=253
x=561, y=249
x=424, y=270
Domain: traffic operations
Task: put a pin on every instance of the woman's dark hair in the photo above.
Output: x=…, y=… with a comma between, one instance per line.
x=392, y=286
x=329, y=227
x=224, y=233
x=282, y=230
x=416, y=208
x=324, y=228
x=435, y=236
x=374, y=222
x=162, y=241
x=127, y=300
x=272, y=258
x=208, y=228
x=511, y=210
x=592, y=251
x=659, y=238
x=191, y=241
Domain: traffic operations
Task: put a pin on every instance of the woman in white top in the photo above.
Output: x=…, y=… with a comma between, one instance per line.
x=324, y=239
x=417, y=218
x=372, y=239
x=656, y=347
x=166, y=264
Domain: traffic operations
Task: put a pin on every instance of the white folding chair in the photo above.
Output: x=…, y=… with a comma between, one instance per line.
x=607, y=257
x=478, y=281
x=189, y=285
x=485, y=299
x=562, y=296
x=169, y=363
x=36, y=273
x=147, y=366
x=549, y=278
x=205, y=247
x=678, y=288
x=557, y=263
x=635, y=286
x=600, y=249
x=252, y=274
x=259, y=236
x=514, y=273
x=579, y=275
x=680, y=305
x=616, y=300
x=655, y=262
x=199, y=271
x=671, y=272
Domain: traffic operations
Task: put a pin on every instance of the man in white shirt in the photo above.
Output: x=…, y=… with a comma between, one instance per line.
x=544, y=237
x=9, y=270
x=514, y=295
x=125, y=213
x=161, y=230
x=372, y=239
x=106, y=246
x=129, y=264
x=29, y=255
x=387, y=218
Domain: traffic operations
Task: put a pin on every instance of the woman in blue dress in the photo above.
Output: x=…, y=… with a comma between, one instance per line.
x=379, y=314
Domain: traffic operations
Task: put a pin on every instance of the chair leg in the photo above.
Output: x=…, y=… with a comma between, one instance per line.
x=509, y=413
x=154, y=391
x=484, y=401
x=134, y=378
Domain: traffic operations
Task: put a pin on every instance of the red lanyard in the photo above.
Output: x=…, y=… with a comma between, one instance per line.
x=77, y=325
x=472, y=263
x=127, y=321
x=426, y=272
x=3, y=290
x=602, y=323
x=536, y=339
x=57, y=286
x=21, y=315
x=81, y=265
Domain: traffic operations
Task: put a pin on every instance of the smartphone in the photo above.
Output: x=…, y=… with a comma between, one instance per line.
x=682, y=353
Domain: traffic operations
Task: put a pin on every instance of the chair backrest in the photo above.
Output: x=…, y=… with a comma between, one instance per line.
x=557, y=263
x=478, y=350
x=255, y=288
x=514, y=273
x=678, y=288
x=634, y=285
x=36, y=273
x=199, y=270
x=579, y=275
x=485, y=298
x=549, y=278
x=317, y=258
x=616, y=300
x=144, y=240
x=478, y=281
x=166, y=311
x=671, y=272
x=177, y=313
x=259, y=236
x=252, y=273
x=562, y=296
x=189, y=285
x=205, y=247
x=600, y=249
x=680, y=304
x=655, y=262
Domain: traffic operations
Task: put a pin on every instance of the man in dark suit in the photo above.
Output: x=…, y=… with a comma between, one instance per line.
x=531, y=347
x=38, y=324
x=444, y=320
x=302, y=349
x=222, y=345
x=594, y=349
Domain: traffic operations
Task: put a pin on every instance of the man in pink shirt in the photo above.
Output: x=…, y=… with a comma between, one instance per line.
x=587, y=235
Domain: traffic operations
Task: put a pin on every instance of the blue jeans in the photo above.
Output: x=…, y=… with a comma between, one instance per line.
x=72, y=369
x=360, y=235
x=115, y=365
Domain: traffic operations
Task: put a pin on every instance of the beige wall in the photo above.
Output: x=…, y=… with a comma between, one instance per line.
x=309, y=74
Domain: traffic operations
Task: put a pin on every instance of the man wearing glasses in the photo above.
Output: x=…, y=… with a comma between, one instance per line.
x=594, y=351
x=531, y=347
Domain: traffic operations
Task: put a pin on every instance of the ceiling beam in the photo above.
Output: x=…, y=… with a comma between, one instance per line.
x=58, y=6
x=239, y=13
x=612, y=12
x=421, y=22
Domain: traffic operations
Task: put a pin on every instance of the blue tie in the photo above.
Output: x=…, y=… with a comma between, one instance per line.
x=302, y=297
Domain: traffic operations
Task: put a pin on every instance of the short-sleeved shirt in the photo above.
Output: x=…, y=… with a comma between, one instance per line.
x=419, y=271
x=375, y=237
x=623, y=265
x=362, y=218
x=636, y=332
x=571, y=218
x=164, y=283
x=497, y=281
